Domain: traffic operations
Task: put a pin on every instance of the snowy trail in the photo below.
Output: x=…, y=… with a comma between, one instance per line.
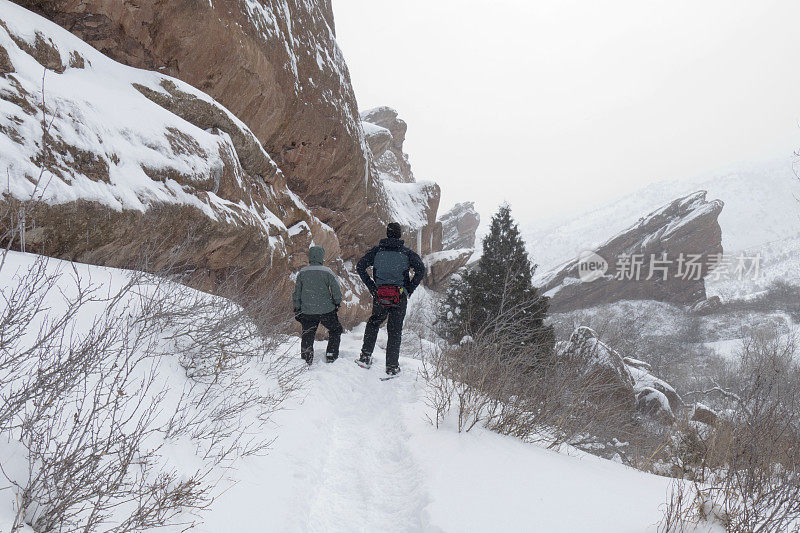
x=357, y=455
x=368, y=476
x=341, y=462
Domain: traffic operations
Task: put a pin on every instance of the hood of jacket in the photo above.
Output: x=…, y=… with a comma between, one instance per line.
x=316, y=254
x=392, y=243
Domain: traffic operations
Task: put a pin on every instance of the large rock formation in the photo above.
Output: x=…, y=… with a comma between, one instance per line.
x=124, y=167
x=139, y=163
x=603, y=367
x=391, y=162
x=662, y=257
x=459, y=226
x=625, y=382
x=442, y=265
x=412, y=204
x=276, y=66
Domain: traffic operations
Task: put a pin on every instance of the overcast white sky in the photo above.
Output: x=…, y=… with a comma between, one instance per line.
x=554, y=105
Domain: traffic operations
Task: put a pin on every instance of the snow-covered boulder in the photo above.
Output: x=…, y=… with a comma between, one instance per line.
x=654, y=403
x=602, y=364
x=663, y=257
x=704, y=414
x=644, y=380
x=707, y=306
x=627, y=380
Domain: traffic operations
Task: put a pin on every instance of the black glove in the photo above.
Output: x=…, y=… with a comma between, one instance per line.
x=409, y=291
x=298, y=315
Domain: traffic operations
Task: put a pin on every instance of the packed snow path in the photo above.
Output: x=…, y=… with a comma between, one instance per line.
x=364, y=474
x=342, y=461
x=357, y=454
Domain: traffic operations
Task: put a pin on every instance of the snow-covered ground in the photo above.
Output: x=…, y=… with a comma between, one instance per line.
x=358, y=454
x=353, y=453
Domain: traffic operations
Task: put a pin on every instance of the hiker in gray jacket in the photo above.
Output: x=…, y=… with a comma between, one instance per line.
x=317, y=298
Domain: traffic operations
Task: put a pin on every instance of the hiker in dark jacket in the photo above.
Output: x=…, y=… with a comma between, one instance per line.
x=317, y=298
x=390, y=289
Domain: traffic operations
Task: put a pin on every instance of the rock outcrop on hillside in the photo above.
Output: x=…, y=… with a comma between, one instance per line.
x=139, y=163
x=662, y=257
x=135, y=166
x=391, y=162
x=602, y=365
x=276, y=66
x=411, y=203
x=627, y=383
x=459, y=226
x=442, y=265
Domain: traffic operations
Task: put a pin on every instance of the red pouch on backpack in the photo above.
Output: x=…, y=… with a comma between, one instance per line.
x=389, y=295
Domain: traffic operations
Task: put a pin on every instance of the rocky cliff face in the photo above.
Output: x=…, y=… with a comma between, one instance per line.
x=413, y=204
x=116, y=166
x=662, y=257
x=276, y=66
x=239, y=177
x=459, y=226
x=390, y=161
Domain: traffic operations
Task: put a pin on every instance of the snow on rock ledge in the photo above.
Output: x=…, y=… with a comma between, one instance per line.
x=390, y=159
x=136, y=162
x=442, y=265
x=412, y=204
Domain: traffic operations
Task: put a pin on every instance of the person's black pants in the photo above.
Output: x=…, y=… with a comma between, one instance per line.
x=310, y=324
x=396, y=315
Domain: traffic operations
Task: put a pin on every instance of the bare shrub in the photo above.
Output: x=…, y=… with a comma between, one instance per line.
x=779, y=295
x=489, y=380
x=219, y=343
x=675, y=354
x=747, y=472
x=89, y=406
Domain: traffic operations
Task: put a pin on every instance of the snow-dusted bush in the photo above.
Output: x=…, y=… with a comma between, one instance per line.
x=666, y=336
x=745, y=471
x=779, y=295
x=491, y=382
x=102, y=373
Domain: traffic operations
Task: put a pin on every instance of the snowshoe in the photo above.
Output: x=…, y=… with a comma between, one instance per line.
x=365, y=361
x=330, y=358
x=392, y=371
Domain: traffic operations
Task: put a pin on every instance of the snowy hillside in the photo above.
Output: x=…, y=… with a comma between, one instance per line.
x=353, y=453
x=761, y=206
x=104, y=151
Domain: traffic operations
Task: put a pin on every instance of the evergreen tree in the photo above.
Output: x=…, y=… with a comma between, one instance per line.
x=498, y=296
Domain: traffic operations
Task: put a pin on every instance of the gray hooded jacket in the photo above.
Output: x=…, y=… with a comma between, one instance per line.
x=316, y=290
